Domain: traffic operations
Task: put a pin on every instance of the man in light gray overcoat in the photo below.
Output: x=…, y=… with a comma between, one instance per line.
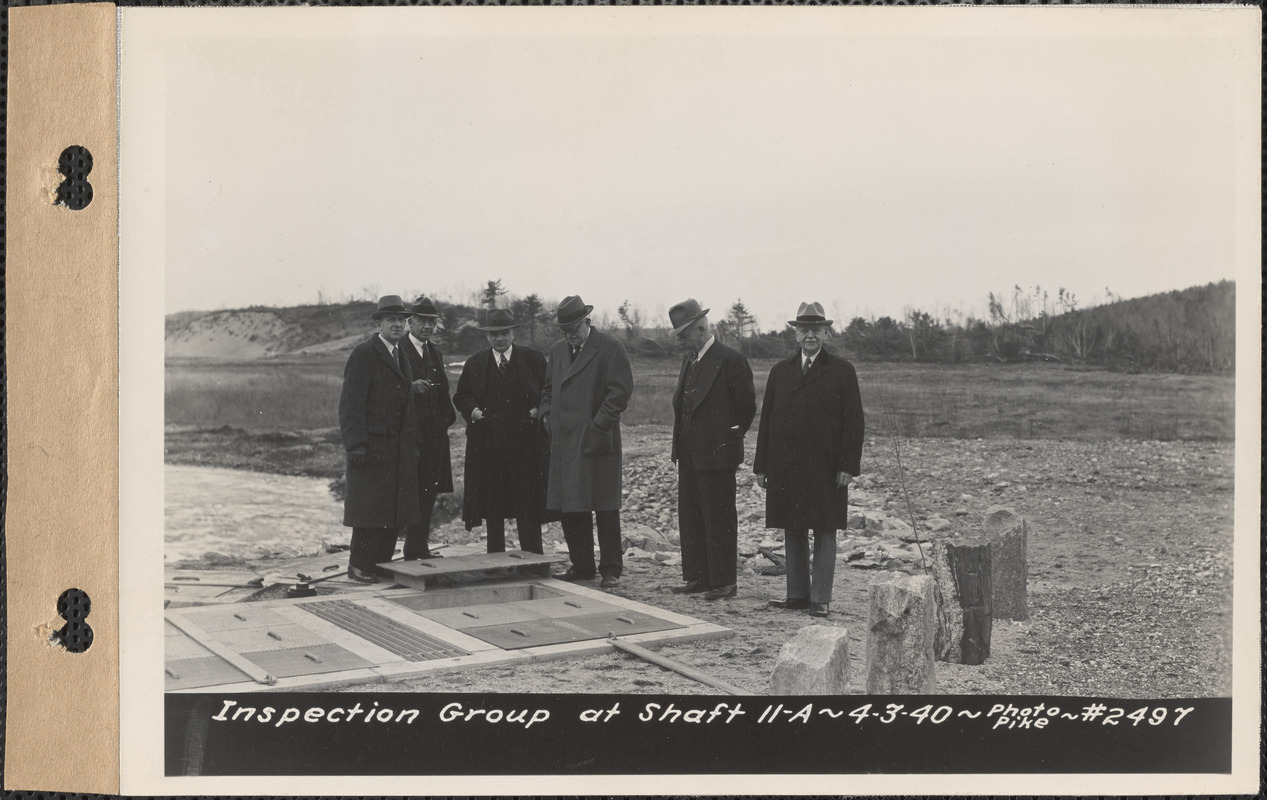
x=588, y=385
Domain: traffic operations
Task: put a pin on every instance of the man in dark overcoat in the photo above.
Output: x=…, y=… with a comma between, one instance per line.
x=588, y=385
x=809, y=447
x=380, y=435
x=713, y=406
x=434, y=412
x=498, y=394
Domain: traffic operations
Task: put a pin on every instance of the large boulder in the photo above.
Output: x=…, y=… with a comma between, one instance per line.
x=814, y=661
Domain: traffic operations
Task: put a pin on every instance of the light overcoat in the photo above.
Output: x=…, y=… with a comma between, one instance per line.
x=584, y=400
x=811, y=428
x=376, y=410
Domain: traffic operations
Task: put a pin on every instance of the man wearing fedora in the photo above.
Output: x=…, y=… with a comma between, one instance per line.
x=380, y=435
x=713, y=407
x=809, y=446
x=587, y=388
x=498, y=394
x=434, y=412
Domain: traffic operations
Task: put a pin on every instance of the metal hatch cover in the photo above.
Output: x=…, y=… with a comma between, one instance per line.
x=536, y=633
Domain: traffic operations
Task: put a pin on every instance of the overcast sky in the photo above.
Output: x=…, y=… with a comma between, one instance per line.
x=856, y=164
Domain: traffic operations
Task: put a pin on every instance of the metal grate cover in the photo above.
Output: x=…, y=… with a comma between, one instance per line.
x=387, y=633
x=307, y=660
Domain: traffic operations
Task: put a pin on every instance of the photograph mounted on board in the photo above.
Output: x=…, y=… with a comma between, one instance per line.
x=878, y=371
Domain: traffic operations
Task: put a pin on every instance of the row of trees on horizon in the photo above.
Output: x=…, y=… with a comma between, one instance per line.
x=1188, y=330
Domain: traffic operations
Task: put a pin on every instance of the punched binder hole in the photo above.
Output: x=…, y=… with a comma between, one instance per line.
x=75, y=192
x=73, y=606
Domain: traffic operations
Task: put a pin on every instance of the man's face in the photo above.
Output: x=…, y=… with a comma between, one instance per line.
x=576, y=332
x=422, y=327
x=811, y=338
x=692, y=339
x=500, y=340
x=392, y=327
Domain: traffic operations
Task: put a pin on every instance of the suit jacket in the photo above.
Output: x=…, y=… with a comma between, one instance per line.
x=376, y=410
x=710, y=424
x=584, y=400
x=506, y=432
x=811, y=429
x=434, y=412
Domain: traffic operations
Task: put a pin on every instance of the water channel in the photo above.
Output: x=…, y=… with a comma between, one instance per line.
x=246, y=514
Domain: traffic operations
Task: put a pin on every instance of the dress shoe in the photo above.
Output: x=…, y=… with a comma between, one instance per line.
x=573, y=575
x=361, y=576
x=429, y=555
x=794, y=604
x=609, y=582
x=690, y=587
x=818, y=610
x=721, y=593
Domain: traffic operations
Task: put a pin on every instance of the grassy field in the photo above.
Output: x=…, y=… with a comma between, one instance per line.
x=1032, y=401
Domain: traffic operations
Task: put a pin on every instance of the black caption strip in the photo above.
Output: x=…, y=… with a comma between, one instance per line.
x=434, y=734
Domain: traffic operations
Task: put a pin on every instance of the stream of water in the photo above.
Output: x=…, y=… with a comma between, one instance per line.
x=247, y=514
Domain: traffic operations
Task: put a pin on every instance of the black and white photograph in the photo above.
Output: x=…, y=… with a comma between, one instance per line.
x=855, y=395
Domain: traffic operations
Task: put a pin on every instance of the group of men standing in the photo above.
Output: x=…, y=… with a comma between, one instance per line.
x=543, y=442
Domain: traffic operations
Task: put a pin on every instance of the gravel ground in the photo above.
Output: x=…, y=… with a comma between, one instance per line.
x=1129, y=557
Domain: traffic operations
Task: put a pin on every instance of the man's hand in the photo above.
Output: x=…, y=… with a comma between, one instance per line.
x=476, y=415
x=533, y=412
x=356, y=456
x=421, y=386
x=843, y=479
x=761, y=480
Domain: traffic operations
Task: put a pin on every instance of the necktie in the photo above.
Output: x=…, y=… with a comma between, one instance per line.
x=809, y=362
x=503, y=363
x=575, y=350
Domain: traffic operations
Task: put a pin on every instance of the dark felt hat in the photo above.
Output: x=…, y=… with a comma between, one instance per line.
x=423, y=307
x=499, y=319
x=684, y=313
x=390, y=305
x=571, y=309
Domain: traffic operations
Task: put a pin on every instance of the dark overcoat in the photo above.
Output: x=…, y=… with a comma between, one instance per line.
x=376, y=410
x=584, y=400
x=811, y=428
x=710, y=423
x=434, y=413
x=506, y=431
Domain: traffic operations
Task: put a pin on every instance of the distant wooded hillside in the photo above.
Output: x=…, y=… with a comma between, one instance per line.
x=1191, y=330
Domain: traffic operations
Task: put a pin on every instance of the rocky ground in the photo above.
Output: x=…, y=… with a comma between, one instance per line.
x=1130, y=569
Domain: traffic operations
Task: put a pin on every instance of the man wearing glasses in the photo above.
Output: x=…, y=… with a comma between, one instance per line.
x=587, y=388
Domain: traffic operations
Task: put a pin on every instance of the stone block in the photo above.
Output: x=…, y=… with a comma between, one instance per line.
x=814, y=661
x=1009, y=541
x=901, y=629
x=962, y=573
